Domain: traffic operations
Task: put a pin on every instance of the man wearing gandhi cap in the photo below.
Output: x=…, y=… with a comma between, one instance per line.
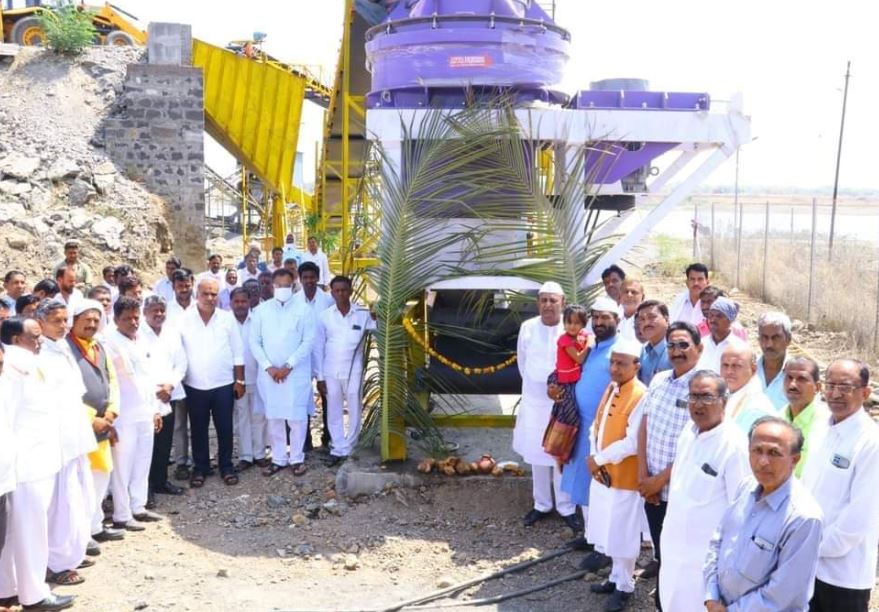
x=102, y=401
x=720, y=319
x=615, y=508
x=536, y=355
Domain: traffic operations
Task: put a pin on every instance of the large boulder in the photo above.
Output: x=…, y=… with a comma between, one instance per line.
x=62, y=168
x=81, y=193
x=109, y=232
x=18, y=166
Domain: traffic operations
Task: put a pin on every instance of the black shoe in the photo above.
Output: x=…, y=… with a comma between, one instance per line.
x=169, y=488
x=595, y=561
x=131, y=525
x=617, y=602
x=651, y=571
x=92, y=549
x=9, y=602
x=148, y=517
x=151, y=501
x=52, y=602
x=605, y=588
x=109, y=535
x=580, y=544
x=534, y=516
x=575, y=522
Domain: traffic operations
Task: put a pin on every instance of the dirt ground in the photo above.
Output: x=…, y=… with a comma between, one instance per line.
x=289, y=543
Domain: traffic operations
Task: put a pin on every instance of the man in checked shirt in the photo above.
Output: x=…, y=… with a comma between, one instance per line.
x=665, y=413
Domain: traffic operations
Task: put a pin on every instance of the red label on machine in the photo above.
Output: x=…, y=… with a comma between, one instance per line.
x=470, y=61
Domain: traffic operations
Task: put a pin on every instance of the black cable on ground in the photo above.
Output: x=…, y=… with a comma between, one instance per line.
x=463, y=585
x=503, y=596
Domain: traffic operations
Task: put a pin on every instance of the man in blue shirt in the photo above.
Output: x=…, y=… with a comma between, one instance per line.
x=774, y=334
x=764, y=553
x=651, y=317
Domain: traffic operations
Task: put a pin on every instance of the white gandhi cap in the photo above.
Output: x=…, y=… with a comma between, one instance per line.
x=626, y=346
x=551, y=287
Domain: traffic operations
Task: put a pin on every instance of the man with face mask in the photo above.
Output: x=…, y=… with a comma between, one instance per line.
x=36, y=424
x=536, y=351
x=281, y=340
x=70, y=513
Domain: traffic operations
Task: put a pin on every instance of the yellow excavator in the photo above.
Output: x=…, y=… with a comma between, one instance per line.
x=22, y=25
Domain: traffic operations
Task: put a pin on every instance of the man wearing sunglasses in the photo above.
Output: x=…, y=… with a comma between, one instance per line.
x=665, y=414
x=711, y=465
x=842, y=472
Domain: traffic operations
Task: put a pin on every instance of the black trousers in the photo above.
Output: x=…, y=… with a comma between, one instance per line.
x=162, y=451
x=324, y=434
x=655, y=519
x=829, y=598
x=206, y=404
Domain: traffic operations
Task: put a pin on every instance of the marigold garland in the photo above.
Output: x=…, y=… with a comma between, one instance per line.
x=467, y=371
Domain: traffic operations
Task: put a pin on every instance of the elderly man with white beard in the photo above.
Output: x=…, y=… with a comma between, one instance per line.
x=73, y=502
x=36, y=424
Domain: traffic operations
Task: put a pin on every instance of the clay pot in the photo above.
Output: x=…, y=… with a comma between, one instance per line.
x=486, y=464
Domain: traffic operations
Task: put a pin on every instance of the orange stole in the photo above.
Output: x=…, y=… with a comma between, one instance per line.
x=623, y=475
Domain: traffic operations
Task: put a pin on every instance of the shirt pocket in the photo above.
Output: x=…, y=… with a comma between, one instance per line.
x=704, y=488
x=756, y=560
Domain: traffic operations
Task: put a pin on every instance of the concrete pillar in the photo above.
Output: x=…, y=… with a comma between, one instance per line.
x=169, y=44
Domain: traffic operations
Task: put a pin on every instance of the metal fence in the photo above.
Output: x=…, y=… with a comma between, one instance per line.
x=780, y=252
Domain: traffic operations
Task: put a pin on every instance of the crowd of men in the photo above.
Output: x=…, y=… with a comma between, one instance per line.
x=102, y=381
x=754, y=478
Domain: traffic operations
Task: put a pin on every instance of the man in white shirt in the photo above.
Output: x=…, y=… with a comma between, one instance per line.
x=165, y=285
x=231, y=281
x=281, y=340
x=612, y=277
x=631, y=296
x=250, y=414
x=747, y=402
x=842, y=472
x=14, y=285
x=214, y=271
x=277, y=260
x=720, y=319
x=316, y=256
x=338, y=345
x=7, y=455
x=710, y=466
x=139, y=418
x=65, y=276
x=72, y=504
x=317, y=300
x=250, y=269
x=685, y=306
x=36, y=425
x=165, y=352
x=536, y=351
x=174, y=313
x=290, y=250
x=214, y=380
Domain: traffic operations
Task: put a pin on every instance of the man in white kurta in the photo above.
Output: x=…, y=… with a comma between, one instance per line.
x=281, y=340
x=747, y=402
x=721, y=316
x=139, y=419
x=710, y=466
x=36, y=424
x=73, y=501
x=616, y=512
x=315, y=255
x=339, y=342
x=536, y=357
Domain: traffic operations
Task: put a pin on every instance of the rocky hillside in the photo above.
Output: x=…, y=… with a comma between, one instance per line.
x=56, y=183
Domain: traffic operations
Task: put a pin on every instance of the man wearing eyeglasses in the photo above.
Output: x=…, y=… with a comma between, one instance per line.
x=665, y=415
x=710, y=467
x=843, y=475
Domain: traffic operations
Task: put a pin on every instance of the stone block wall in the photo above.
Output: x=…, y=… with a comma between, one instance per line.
x=158, y=137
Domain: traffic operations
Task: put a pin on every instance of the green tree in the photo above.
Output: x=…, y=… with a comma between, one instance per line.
x=69, y=29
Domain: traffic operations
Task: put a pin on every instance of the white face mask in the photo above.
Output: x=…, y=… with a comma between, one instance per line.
x=282, y=294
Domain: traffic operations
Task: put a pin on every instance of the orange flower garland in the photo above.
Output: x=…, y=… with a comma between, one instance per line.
x=457, y=367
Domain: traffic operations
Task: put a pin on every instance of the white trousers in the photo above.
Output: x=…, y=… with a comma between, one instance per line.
x=70, y=519
x=622, y=574
x=181, y=433
x=546, y=480
x=25, y=556
x=102, y=484
x=278, y=440
x=251, y=428
x=132, y=456
x=340, y=393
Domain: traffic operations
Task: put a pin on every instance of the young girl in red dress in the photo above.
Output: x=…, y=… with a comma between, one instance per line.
x=573, y=347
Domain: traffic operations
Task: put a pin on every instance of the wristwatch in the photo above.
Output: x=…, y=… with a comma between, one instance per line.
x=241, y=382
